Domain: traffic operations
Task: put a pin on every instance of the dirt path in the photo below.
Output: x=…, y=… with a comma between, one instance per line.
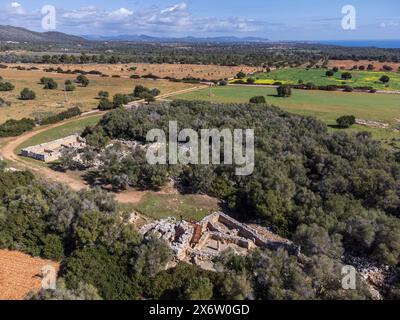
x=74, y=182
x=46, y=173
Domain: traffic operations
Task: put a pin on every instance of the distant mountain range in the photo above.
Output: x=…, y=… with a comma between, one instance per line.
x=16, y=34
x=145, y=38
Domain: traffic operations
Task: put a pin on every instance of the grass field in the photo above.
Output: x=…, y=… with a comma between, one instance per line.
x=318, y=77
x=53, y=101
x=191, y=207
x=59, y=132
x=327, y=106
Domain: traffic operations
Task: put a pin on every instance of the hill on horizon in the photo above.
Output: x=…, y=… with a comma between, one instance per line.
x=17, y=34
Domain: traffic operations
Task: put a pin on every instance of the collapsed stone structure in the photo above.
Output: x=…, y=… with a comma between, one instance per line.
x=372, y=124
x=52, y=151
x=200, y=243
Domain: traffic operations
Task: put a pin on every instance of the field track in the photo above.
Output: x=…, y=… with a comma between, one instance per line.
x=12, y=144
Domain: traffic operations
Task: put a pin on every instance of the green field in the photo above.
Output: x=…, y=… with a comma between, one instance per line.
x=318, y=77
x=191, y=207
x=59, y=132
x=327, y=106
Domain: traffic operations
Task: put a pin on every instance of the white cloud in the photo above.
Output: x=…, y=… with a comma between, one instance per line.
x=121, y=13
x=178, y=7
x=15, y=8
x=175, y=19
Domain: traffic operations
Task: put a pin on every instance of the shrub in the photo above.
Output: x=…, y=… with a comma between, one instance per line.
x=69, y=87
x=387, y=68
x=347, y=76
x=120, y=100
x=250, y=81
x=348, y=89
x=6, y=86
x=12, y=128
x=384, y=79
x=103, y=94
x=105, y=104
x=346, y=121
x=155, y=92
x=258, y=99
x=82, y=80
x=284, y=91
x=329, y=73
x=50, y=84
x=241, y=75
x=143, y=93
x=70, y=113
x=27, y=94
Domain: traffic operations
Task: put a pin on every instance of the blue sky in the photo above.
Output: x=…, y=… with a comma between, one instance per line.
x=272, y=19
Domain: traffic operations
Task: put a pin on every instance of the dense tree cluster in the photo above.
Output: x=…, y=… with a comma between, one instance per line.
x=103, y=257
x=303, y=175
x=13, y=128
x=70, y=113
x=120, y=99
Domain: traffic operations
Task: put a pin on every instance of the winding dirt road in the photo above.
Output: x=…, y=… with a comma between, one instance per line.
x=45, y=173
x=74, y=181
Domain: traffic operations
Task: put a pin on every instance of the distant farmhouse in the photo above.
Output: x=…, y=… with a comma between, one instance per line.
x=52, y=151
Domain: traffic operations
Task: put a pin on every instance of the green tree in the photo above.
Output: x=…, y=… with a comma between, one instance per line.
x=50, y=84
x=27, y=94
x=151, y=257
x=119, y=100
x=103, y=94
x=258, y=99
x=346, y=121
x=53, y=247
x=105, y=104
x=199, y=289
x=241, y=75
x=83, y=80
x=384, y=79
x=6, y=86
x=284, y=91
x=347, y=76
x=329, y=73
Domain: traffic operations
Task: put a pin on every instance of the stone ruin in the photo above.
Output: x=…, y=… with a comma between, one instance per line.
x=52, y=151
x=372, y=124
x=200, y=242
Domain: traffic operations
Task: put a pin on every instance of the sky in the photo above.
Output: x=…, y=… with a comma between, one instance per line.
x=271, y=19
